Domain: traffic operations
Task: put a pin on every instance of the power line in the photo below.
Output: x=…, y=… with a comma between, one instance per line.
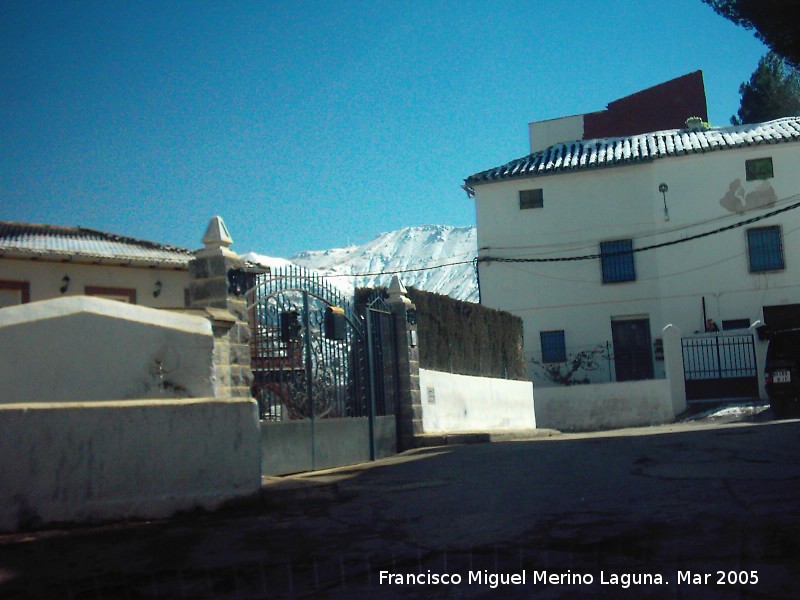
x=593, y=256
x=643, y=248
x=397, y=271
x=576, y=245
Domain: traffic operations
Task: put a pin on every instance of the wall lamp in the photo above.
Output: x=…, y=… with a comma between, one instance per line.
x=157, y=290
x=664, y=188
x=64, y=284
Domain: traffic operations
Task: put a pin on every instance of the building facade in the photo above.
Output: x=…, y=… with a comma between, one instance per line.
x=39, y=262
x=599, y=244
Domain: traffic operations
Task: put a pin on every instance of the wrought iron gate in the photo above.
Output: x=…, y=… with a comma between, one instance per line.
x=322, y=365
x=720, y=366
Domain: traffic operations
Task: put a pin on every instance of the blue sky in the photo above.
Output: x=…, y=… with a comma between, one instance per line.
x=311, y=125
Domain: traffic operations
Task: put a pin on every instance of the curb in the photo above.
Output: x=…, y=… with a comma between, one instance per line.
x=428, y=440
x=283, y=492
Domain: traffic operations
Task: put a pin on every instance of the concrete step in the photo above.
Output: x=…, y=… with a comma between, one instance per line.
x=427, y=440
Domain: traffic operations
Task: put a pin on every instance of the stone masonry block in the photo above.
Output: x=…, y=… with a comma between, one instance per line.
x=243, y=333
x=241, y=378
x=198, y=268
x=218, y=265
x=213, y=290
x=409, y=413
x=238, y=308
x=240, y=354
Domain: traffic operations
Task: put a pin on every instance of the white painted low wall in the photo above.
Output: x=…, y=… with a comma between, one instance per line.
x=82, y=348
x=459, y=403
x=106, y=460
x=605, y=405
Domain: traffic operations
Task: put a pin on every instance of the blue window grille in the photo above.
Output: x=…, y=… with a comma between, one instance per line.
x=765, y=249
x=617, y=261
x=554, y=349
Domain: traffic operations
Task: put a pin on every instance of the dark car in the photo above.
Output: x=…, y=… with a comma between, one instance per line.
x=781, y=374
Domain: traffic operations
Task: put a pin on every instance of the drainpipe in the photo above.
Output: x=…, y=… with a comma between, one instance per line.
x=703, y=328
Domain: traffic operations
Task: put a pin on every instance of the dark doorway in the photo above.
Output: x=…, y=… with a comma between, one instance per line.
x=633, y=358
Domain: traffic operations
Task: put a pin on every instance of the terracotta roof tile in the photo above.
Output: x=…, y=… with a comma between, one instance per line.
x=610, y=152
x=78, y=243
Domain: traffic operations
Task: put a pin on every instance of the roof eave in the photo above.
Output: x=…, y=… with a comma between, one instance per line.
x=90, y=259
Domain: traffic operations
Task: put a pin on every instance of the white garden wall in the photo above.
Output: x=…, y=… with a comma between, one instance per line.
x=106, y=460
x=605, y=405
x=616, y=405
x=460, y=403
x=82, y=348
x=90, y=429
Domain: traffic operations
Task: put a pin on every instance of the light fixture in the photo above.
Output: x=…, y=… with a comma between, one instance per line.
x=664, y=188
x=157, y=290
x=64, y=284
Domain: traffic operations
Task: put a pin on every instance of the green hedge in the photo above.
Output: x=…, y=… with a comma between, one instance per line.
x=465, y=338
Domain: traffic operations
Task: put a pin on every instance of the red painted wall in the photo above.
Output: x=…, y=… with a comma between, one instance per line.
x=664, y=106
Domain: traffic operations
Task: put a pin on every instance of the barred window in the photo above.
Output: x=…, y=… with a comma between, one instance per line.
x=617, y=261
x=765, y=249
x=554, y=349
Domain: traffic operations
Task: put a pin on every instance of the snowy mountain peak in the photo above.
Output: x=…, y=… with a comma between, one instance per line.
x=408, y=252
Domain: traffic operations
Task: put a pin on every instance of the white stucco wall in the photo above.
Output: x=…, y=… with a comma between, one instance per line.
x=83, y=348
x=46, y=278
x=604, y=406
x=453, y=403
x=583, y=208
x=553, y=131
x=106, y=460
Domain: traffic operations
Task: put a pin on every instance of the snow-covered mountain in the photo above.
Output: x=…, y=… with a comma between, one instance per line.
x=401, y=252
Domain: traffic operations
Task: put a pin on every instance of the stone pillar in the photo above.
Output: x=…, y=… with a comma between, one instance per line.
x=409, y=414
x=216, y=276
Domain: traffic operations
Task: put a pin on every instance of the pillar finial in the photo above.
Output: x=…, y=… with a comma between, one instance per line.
x=217, y=235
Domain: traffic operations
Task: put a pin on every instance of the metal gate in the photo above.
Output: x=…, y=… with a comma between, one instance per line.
x=322, y=373
x=719, y=367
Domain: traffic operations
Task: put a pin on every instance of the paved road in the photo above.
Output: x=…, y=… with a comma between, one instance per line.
x=697, y=510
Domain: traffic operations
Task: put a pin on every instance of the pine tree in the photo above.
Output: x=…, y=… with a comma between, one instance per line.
x=774, y=22
x=772, y=92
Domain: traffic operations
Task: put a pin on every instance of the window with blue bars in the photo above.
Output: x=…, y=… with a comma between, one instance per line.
x=617, y=261
x=765, y=249
x=554, y=350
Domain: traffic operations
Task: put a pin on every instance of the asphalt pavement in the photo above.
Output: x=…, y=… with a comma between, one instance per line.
x=700, y=509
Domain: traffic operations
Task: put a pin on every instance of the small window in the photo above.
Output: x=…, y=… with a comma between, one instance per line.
x=553, y=348
x=14, y=292
x=112, y=293
x=765, y=249
x=617, y=261
x=531, y=199
x=733, y=324
x=758, y=168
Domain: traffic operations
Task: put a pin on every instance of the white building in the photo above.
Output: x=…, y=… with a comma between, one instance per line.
x=599, y=244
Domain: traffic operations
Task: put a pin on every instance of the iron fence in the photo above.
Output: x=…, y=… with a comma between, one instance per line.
x=299, y=370
x=719, y=356
x=719, y=366
x=306, y=367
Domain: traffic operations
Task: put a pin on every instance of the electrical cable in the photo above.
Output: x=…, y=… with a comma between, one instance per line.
x=593, y=256
x=597, y=255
